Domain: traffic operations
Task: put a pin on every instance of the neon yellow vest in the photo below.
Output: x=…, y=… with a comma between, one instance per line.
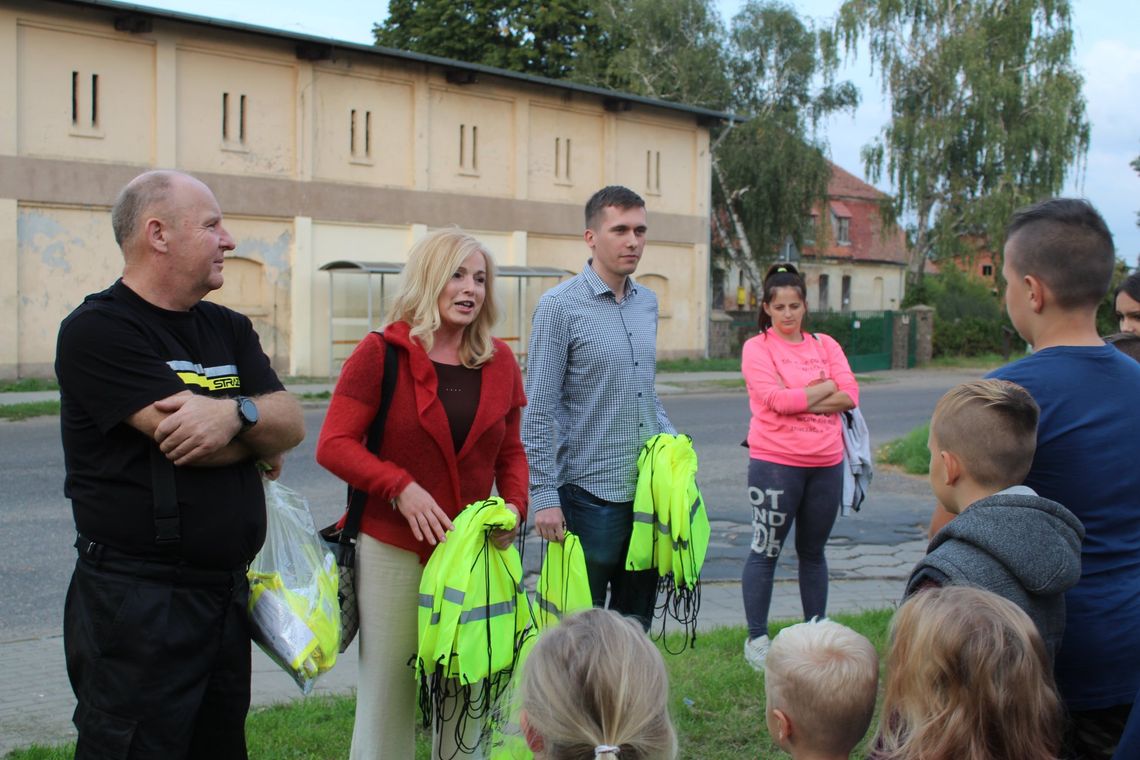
x=563, y=586
x=670, y=524
x=473, y=610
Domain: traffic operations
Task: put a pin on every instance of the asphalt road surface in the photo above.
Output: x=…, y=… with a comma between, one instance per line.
x=36, y=528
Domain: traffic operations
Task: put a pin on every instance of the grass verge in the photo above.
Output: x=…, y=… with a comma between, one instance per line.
x=909, y=452
x=728, y=364
x=27, y=384
x=717, y=704
x=981, y=361
x=28, y=410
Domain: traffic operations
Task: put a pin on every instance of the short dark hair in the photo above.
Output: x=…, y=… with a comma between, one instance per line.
x=146, y=190
x=1066, y=244
x=612, y=195
x=992, y=426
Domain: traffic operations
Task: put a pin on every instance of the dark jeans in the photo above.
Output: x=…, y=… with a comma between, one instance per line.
x=604, y=527
x=159, y=658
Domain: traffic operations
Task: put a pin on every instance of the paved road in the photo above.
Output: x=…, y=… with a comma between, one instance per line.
x=869, y=555
x=36, y=529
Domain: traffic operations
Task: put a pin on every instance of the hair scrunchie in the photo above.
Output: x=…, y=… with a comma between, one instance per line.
x=606, y=749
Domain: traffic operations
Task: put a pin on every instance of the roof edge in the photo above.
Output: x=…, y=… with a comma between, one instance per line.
x=406, y=55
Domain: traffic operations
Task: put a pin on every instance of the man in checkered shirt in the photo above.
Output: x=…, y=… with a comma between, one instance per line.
x=591, y=401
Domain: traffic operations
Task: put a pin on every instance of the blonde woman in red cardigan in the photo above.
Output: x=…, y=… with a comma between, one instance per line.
x=452, y=433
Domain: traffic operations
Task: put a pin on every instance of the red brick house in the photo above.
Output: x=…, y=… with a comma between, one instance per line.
x=852, y=262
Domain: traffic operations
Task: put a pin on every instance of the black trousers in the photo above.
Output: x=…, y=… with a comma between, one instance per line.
x=159, y=658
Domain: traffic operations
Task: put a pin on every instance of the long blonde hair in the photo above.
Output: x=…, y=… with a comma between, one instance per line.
x=431, y=263
x=596, y=680
x=968, y=678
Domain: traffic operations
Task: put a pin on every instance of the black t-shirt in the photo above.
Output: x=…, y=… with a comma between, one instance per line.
x=117, y=354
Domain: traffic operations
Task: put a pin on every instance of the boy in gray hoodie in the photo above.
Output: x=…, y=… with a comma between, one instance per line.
x=1005, y=538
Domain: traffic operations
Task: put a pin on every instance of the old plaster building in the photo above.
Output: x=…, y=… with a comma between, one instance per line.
x=851, y=261
x=318, y=151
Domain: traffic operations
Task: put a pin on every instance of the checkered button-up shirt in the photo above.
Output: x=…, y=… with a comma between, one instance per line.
x=591, y=401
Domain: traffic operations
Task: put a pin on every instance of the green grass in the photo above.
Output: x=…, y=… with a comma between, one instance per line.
x=321, y=396
x=28, y=410
x=981, y=361
x=306, y=380
x=716, y=701
x=27, y=384
x=729, y=364
x=908, y=452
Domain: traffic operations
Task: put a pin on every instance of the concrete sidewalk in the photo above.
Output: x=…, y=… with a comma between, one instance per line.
x=36, y=702
x=668, y=383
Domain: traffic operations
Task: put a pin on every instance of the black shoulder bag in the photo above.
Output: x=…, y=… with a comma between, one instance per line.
x=341, y=540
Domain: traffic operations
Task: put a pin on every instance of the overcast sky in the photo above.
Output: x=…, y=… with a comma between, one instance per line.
x=1107, y=52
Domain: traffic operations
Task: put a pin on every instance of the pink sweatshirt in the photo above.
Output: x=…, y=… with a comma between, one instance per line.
x=776, y=372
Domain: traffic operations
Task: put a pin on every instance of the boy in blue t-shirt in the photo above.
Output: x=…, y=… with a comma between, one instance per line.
x=1059, y=258
x=1058, y=262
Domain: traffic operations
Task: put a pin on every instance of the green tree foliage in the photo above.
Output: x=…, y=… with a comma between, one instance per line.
x=987, y=112
x=520, y=35
x=969, y=317
x=1136, y=165
x=769, y=65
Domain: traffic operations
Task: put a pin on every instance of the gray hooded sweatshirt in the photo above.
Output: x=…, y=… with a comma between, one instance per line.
x=1017, y=545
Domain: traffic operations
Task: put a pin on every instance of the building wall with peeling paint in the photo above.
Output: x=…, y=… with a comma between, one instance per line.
x=341, y=153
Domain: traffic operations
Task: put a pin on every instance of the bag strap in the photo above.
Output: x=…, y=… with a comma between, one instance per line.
x=167, y=518
x=358, y=498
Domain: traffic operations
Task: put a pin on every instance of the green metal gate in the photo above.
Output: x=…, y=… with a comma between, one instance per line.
x=867, y=337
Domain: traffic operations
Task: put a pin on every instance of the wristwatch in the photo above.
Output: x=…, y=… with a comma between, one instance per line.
x=247, y=413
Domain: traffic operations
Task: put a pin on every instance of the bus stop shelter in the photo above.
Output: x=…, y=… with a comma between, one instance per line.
x=378, y=270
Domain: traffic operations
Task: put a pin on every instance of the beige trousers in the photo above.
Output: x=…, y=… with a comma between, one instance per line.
x=388, y=584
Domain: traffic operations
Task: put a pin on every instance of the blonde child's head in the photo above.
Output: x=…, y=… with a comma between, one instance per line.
x=968, y=677
x=989, y=429
x=594, y=683
x=820, y=679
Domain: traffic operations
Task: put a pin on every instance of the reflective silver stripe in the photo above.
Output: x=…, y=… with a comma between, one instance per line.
x=488, y=611
x=426, y=600
x=662, y=528
x=546, y=604
x=453, y=595
x=642, y=517
x=434, y=618
x=696, y=507
x=219, y=371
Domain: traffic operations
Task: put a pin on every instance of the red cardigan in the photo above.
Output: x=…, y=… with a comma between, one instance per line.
x=417, y=442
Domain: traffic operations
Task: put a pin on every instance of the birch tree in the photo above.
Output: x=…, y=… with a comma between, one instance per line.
x=986, y=108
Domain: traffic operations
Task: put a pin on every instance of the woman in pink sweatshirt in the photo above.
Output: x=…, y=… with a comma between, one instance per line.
x=799, y=383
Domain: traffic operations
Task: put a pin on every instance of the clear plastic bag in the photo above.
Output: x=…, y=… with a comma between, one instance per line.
x=292, y=590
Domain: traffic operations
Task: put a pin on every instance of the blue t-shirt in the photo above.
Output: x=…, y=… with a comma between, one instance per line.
x=1090, y=418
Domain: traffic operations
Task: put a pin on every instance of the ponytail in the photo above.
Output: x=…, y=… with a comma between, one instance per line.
x=595, y=686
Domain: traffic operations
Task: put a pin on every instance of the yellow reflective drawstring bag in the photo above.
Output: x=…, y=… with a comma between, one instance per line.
x=473, y=616
x=670, y=526
x=563, y=586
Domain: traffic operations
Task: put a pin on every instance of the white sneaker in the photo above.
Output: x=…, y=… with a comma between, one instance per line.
x=755, y=652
